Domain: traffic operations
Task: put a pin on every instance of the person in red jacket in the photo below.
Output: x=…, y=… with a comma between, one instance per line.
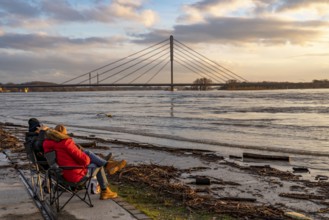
x=69, y=154
x=111, y=166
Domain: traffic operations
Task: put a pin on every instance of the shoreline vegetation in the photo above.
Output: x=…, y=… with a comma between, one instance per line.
x=229, y=85
x=192, y=192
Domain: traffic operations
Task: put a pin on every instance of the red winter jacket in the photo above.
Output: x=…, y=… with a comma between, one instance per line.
x=68, y=154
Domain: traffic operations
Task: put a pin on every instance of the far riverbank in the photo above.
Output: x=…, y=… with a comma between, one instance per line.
x=229, y=85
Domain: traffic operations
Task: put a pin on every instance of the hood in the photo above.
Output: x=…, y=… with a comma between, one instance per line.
x=56, y=136
x=33, y=124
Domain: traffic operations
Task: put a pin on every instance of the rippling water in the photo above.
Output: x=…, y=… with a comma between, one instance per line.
x=285, y=121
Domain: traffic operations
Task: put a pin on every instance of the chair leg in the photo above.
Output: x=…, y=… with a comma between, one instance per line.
x=40, y=187
x=58, y=187
x=73, y=193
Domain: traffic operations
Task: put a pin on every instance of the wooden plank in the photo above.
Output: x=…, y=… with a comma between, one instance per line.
x=240, y=199
x=202, y=181
x=266, y=157
x=300, y=170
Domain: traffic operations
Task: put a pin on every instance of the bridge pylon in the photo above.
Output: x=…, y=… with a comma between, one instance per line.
x=172, y=62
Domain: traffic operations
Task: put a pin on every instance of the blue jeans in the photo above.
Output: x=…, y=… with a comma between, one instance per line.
x=96, y=161
x=101, y=176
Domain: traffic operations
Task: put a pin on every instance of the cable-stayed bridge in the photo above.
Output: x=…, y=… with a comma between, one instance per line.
x=155, y=65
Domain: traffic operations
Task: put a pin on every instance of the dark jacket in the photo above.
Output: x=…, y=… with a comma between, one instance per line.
x=36, y=140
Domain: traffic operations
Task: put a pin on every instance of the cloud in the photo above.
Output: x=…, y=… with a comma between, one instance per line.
x=30, y=68
x=55, y=67
x=233, y=30
x=132, y=11
x=286, y=9
x=18, y=13
x=201, y=11
x=264, y=22
x=35, y=42
x=19, y=8
x=61, y=10
x=283, y=5
x=311, y=55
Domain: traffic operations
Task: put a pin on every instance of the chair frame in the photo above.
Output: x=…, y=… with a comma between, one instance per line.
x=59, y=185
x=37, y=173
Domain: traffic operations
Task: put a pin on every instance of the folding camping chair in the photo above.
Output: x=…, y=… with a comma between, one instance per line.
x=37, y=172
x=59, y=185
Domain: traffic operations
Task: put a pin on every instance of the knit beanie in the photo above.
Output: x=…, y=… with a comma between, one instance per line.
x=33, y=124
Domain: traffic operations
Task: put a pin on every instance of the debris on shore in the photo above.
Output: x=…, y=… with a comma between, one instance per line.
x=8, y=141
x=166, y=181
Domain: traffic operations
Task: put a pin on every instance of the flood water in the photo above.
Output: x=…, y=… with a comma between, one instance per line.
x=289, y=122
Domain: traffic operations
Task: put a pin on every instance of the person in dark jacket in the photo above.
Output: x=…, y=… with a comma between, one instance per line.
x=35, y=137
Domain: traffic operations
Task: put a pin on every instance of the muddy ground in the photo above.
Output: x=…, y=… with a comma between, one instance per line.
x=204, y=180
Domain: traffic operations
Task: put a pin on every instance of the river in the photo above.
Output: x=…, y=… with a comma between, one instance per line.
x=293, y=122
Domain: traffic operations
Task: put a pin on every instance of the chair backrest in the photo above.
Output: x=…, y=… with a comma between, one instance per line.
x=28, y=145
x=32, y=155
x=51, y=159
x=29, y=151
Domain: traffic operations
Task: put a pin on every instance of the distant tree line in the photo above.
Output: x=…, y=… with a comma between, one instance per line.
x=68, y=89
x=201, y=84
x=198, y=84
x=235, y=85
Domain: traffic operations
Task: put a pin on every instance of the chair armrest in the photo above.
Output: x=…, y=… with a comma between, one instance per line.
x=42, y=162
x=71, y=167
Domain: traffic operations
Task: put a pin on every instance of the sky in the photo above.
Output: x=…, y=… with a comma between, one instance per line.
x=260, y=40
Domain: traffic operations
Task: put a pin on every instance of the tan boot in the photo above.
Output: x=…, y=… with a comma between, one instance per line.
x=114, y=166
x=108, y=194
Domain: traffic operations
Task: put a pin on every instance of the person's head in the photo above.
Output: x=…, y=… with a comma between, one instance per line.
x=61, y=128
x=34, y=124
x=57, y=134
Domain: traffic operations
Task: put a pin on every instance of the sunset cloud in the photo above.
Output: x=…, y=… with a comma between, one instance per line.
x=46, y=39
x=17, y=12
x=35, y=42
x=251, y=21
x=239, y=31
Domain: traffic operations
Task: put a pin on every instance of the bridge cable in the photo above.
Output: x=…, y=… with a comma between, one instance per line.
x=158, y=72
x=203, y=63
x=212, y=61
x=147, y=71
x=220, y=78
x=197, y=69
x=224, y=70
x=188, y=68
x=223, y=73
x=140, y=67
x=178, y=59
x=114, y=62
x=132, y=65
x=122, y=65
